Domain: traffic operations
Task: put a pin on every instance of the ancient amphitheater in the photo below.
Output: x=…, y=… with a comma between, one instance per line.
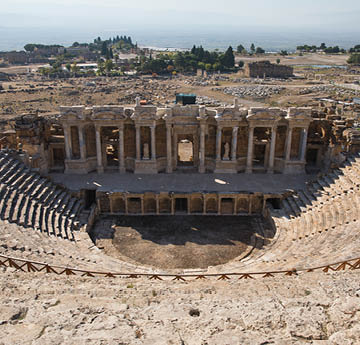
x=261, y=206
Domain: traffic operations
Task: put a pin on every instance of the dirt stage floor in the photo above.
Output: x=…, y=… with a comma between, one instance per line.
x=168, y=242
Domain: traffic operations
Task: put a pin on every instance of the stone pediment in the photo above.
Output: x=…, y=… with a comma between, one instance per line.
x=185, y=111
x=299, y=113
x=144, y=113
x=265, y=114
x=73, y=113
x=108, y=113
x=230, y=114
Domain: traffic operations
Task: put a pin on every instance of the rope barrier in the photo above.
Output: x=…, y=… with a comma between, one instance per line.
x=34, y=266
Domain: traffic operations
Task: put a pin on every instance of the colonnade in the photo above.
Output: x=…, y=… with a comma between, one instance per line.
x=231, y=154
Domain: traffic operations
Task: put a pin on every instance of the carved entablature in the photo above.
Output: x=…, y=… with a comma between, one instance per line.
x=230, y=116
x=189, y=114
x=299, y=117
x=108, y=113
x=74, y=113
x=265, y=117
x=144, y=113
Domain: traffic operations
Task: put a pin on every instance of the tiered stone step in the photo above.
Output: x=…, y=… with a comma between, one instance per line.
x=30, y=200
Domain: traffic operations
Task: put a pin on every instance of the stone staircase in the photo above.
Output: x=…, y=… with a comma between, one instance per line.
x=33, y=201
x=315, y=226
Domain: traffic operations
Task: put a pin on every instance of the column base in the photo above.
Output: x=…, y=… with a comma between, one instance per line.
x=248, y=170
x=100, y=170
x=169, y=170
x=201, y=169
x=146, y=167
x=122, y=170
x=270, y=171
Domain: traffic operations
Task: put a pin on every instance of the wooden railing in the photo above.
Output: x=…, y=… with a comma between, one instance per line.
x=34, y=266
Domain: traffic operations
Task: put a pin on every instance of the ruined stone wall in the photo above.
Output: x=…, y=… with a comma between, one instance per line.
x=129, y=139
x=260, y=69
x=280, y=141
x=160, y=135
x=242, y=146
x=210, y=142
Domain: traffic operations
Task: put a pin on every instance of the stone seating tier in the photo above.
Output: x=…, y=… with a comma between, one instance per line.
x=30, y=200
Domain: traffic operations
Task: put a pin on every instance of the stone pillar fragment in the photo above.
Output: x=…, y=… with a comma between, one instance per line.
x=234, y=143
x=218, y=143
x=82, y=143
x=153, y=143
x=100, y=167
x=272, y=150
x=249, y=158
x=202, y=149
x=138, y=149
x=67, y=142
x=168, y=149
x=288, y=144
x=121, y=150
x=304, y=136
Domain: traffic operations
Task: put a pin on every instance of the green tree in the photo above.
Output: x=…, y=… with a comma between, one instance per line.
x=208, y=67
x=228, y=58
x=109, y=65
x=104, y=49
x=259, y=50
x=277, y=60
x=354, y=59
x=252, y=48
x=284, y=53
x=240, y=48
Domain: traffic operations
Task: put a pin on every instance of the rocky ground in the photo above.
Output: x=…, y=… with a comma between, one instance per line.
x=313, y=308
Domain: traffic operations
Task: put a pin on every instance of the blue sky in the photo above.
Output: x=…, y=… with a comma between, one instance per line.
x=324, y=15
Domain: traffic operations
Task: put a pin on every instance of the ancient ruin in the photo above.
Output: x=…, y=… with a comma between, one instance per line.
x=262, y=69
x=182, y=193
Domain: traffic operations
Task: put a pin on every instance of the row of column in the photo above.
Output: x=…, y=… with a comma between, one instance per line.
x=302, y=153
x=189, y=210
x=68, y=142
x=249, y=162
x=121, y=151
x=234, y=140
x=152, y=142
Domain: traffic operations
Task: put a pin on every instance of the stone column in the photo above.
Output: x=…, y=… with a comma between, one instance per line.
x=218, y=143
x=234, y=143
x=304, y=136
x=121, y=150
x=157, y=204
x=100, y=167
x=67, y=142
x=126, y=204
x=153, y=143
x=202, y=149
x=249, y=159
x=82, y=143
x=270, y=169
x=204, y=203
x=168, y=149
x=288, y=144
x=138, y=143
x=172, y=200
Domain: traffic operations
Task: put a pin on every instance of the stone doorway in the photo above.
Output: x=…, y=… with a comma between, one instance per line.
x=185, y=152
x=181, y=205
x=259, y=155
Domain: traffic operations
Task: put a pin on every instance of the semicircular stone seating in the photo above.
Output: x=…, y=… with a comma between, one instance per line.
x=33, y=201
x=315, y=226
